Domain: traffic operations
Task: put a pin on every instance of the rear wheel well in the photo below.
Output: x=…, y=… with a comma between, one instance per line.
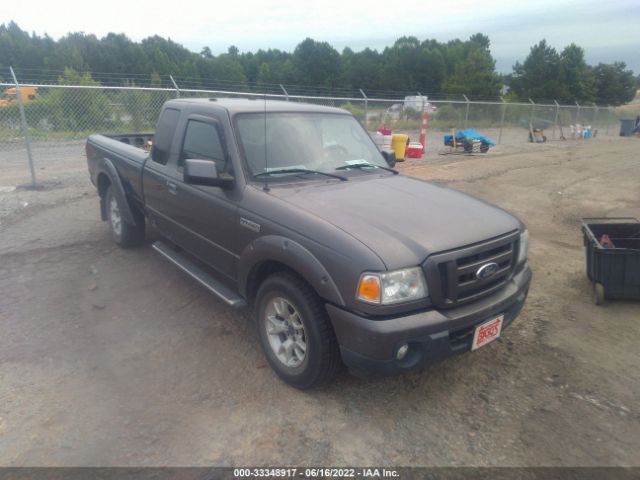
x=103, y=184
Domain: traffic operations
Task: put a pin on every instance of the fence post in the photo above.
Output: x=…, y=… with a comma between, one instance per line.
x=176, y=86
x=25, y=128
x=577, y=113
x=366, y=108
x=533, y=111
x=555, y=121
x=504, y=110
x=608, y=119
x=595, y=115
x=286, y=94
x=466, y=115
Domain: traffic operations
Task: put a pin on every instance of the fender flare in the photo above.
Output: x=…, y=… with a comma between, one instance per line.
x=284, y=250
x=111, y=172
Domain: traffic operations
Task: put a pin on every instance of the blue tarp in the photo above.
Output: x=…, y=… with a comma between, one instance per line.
x=468, y=134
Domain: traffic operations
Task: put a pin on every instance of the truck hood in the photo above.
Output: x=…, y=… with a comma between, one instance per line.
x=402, y=219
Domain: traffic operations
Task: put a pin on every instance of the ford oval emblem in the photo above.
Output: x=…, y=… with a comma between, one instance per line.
x=487, y=270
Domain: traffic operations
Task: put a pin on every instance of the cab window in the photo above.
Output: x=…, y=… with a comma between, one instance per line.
x=165, y=130
x=202, y=141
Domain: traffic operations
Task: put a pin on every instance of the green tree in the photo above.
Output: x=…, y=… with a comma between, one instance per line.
x=225, y=68
x=614, y=84
x=361, y=69
x=79, y=109
x=409, y=65
x=265, y=76
x=318, y=63
x=481, y=40
x=539, y=77
x=474, y=74
x=576, y=76
x=402, y=65
x=138, y=109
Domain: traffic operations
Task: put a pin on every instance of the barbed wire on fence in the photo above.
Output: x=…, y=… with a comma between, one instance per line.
x=51, y=77
x=58, y=117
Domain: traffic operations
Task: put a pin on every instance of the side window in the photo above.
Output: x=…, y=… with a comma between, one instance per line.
x=202, y=141
x=165, y=129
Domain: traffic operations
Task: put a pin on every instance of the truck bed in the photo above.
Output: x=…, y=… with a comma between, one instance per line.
x=127, y=152
x=139, y=140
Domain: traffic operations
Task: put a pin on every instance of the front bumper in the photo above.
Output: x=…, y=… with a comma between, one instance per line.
x=368, y=345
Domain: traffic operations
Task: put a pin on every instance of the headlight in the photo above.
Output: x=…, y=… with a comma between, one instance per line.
x=524, y=247
x=392, y=287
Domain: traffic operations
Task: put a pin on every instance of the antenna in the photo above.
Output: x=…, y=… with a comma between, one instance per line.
x=266, y=176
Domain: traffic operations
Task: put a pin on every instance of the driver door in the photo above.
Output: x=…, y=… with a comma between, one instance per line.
x=209, y=214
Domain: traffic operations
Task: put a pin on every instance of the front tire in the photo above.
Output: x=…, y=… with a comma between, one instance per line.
x=122, y=232
x=295, y=331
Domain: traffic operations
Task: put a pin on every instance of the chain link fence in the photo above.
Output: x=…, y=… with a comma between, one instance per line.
x=58, y=118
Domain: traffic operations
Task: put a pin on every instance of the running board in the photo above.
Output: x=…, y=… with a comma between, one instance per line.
x=212, y=284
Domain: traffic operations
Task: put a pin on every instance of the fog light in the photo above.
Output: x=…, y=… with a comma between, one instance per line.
x=402, y=352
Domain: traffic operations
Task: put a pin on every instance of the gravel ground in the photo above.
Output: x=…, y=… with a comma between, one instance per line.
x=112, y=357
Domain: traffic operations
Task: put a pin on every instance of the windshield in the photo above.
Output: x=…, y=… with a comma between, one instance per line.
x=310, y=141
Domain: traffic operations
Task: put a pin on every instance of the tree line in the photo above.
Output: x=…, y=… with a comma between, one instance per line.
x=436, y=68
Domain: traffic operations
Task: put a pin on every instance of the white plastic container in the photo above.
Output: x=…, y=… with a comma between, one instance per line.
x=382, y=141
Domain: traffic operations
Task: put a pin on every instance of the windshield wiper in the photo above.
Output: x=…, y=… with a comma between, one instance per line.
x=301, y=170
x=368, y=165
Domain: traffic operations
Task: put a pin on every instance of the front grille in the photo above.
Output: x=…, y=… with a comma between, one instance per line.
x=452, y=276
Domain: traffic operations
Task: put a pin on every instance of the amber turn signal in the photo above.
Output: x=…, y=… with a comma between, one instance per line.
x=369, y=289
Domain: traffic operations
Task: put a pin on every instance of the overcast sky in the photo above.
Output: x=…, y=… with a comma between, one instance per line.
x=607, y=29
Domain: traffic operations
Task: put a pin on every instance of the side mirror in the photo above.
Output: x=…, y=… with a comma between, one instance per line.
x=390, y=157
x=204, y=172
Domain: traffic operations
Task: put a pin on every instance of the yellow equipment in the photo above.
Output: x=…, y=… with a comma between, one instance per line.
x=26, y=93
x=399, y=142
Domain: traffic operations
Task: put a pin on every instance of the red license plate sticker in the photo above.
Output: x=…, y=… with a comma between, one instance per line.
x=487, y=332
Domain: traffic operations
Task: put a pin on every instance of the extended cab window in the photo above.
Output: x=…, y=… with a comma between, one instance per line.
x=202, y=142
x=165, y=130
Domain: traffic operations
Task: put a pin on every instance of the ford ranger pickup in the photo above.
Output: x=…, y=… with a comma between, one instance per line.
x=291, y=209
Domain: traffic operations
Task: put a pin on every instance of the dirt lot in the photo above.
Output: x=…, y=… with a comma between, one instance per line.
x=112, y=357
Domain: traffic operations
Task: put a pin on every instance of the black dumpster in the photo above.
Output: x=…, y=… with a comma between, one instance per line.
x=612, y=250
x=627, y=127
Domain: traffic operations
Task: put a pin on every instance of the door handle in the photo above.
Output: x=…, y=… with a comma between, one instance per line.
x=172, y=187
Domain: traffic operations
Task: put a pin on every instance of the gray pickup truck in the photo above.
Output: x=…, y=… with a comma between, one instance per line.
x=290, y=208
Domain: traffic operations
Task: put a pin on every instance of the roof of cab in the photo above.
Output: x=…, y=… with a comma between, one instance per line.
x=255, y=105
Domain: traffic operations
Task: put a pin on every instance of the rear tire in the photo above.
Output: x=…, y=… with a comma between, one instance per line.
x=123, y=233
x=295, y=332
